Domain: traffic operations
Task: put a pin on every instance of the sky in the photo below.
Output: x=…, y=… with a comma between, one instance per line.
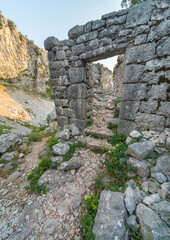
x=39, y=19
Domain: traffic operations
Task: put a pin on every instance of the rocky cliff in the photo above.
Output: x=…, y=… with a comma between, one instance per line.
x=22, y=63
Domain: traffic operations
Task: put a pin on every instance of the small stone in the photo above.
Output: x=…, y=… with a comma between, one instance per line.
x=77, y=201
x=5, y=192
x=21, y=155
x=131, y=222
x=75, y=131
x=145, y=186
x=73, y=163
x=57, y=159
x=128, y=140
x=152, y=199
x=135, y=134
x=9, y=156
x=142, y=167
x=60, y=148
x=165, y=190
x=153, y=186
x=14, y=176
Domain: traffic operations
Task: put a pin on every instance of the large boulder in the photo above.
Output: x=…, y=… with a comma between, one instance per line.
x=7, y=141
x=151, y=225
x=110, y=217
x=65, y=134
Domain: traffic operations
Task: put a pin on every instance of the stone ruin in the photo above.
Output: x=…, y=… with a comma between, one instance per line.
x=142, y=33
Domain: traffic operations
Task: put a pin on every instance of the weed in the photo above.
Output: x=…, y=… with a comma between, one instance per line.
x=88, y=218
x=11, y=25
x=4, y=129
x=89, y=123
x=112, y=127
x=23, y=205
x=73, y=147
x=117, y=138
x=133, y=233
x=116, y=112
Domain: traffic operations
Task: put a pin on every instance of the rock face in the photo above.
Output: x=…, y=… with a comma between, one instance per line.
x=110, y=217
x=22, y=62
x=142, y=34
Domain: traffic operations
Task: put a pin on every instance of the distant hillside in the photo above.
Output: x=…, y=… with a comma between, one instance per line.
x=22, y=63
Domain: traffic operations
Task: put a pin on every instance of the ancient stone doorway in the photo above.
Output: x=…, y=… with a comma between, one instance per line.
x=142, y=34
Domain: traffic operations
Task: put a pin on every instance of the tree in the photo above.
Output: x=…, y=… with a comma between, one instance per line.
x=129, y=3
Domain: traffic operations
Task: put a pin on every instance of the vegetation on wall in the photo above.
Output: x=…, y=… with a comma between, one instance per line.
x=11, y=25
x=130, y=3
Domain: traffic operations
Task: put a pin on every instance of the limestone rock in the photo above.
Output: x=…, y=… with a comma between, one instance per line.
x=60, y=148
x=152, y=199
x=65, y=134
x=131, y=222
x=137, y=196
x=163, y=209
x=110, y=217
x=54, y=179
x=135, y=134
x=73, y=163
x=75, y=131
x=57, y=159
x=163, y=163
x=9, y=156
x=14, y=176
x=160, y=177
x=141, y=166
x=129, y=200
x=77, y=201
x=152, y=227
x=165, y=190
x=140, y=150
x=7, y=141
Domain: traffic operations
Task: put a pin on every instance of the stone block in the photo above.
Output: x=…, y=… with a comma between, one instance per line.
x=62, y=102
x=133, y=73
x=75, y=31
x=57, y=65
x=88, y=27
x=79, y=107
x=140, y=39
x=149, y=106
x=78, y=49
x=110, y=217
x=151, y=225
x=77, y=91
x=133, y=92
x=92, y=45
x=164, y=49
x=125, y=126
x=128, y=110
x=150, y=121
x=140, y=150
x=60, y=55
x=50, y=42
x=116, y=20
x=87, y=37
x=98, y=24
x=81, y=124
x=156, y=32
x=164, y=109
x=159, y=14
x=62, y=121
x=142, y=167
x=73, y=163
x=158, y=64
x=141, y=53
x=68, y=112
x=151, y=77
x=105, y=41
x=140, y=30
x=158, y=92
x=77, y=75
x=139, y=15
x=129, y=200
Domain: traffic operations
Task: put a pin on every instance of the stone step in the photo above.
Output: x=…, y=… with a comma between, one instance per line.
x=94, y=144
x=99, y=133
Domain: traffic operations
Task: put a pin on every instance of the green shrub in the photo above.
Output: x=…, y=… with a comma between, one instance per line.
x=88, y=218
x=11, y=25
x=89, y=122
x=116, y=112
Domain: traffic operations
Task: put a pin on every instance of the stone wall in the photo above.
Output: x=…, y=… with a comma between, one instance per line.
x=118, y=74
x=142, y=34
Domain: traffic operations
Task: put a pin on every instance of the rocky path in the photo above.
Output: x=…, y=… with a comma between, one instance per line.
x=55, y=215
